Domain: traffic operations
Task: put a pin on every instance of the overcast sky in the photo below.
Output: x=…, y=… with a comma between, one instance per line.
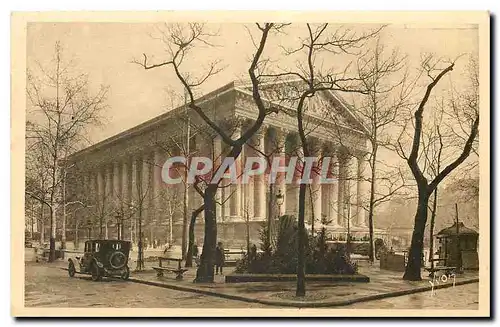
x=105, y=50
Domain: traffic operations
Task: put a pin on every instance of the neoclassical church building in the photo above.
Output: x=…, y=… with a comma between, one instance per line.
x=120, y=177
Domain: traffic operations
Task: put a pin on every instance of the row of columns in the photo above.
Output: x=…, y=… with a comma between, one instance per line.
x=336, y=202
x=117, y=185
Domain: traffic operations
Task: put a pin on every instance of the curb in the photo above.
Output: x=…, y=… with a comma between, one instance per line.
x=301, y=304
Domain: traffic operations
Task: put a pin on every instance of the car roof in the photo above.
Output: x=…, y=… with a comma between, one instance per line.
x=108, y=241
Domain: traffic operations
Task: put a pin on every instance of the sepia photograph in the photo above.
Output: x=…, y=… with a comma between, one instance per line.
x=250, y=164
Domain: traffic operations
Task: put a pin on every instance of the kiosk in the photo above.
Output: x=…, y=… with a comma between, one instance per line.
x=448, y=249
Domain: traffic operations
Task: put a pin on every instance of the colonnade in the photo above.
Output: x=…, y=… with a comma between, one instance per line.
x=135, y=181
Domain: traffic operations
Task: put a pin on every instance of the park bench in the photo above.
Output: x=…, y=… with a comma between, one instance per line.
x=231, y=261
x=42, y=254
x=178, y=270
x=446, y=269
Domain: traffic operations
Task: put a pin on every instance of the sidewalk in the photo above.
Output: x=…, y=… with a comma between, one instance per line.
x=382, y=284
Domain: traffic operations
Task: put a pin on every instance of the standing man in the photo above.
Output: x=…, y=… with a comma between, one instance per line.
x=219, y=258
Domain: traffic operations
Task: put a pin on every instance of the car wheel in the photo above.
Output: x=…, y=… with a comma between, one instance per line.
x=126, y=274
x=117, y=260
x=71, y=269
x=96, y=273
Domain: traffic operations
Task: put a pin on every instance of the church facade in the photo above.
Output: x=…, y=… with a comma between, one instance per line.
x=120, y=178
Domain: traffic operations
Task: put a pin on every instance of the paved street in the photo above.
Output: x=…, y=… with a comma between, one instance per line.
x=50, y=286
x=464, y=297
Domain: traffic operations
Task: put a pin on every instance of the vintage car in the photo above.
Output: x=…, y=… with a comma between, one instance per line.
x=102, y=258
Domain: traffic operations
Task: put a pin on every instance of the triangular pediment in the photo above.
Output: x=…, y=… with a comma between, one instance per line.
x=327, y=105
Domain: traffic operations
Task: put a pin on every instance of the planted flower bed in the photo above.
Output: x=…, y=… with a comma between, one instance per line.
x=278, y=259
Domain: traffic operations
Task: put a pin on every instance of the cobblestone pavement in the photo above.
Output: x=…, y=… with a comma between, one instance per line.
x=47, y=285
x=381, y=282
x=464, y=297
x=50, y=286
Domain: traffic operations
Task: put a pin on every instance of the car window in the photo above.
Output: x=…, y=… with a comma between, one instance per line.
x=95, y=247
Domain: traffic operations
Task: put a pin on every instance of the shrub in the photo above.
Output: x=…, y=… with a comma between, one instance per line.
x=282, y=258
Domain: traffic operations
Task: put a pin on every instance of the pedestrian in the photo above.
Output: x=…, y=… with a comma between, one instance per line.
x=195, y=250
x=219, y=258
x=195, y=254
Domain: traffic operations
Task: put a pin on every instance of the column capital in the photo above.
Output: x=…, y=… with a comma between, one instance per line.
x=261, y=132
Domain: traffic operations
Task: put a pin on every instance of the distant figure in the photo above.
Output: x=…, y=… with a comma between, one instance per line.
x=195, y=250
x=195, y=254
x=219, y=258
x=253, y=253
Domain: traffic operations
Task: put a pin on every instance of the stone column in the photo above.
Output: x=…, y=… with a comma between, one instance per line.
x=333, y=192
x=236, y=198
x=362, y=188
x=217, y=160
x=280, y=180
x=125, y=185
x=134, y=197
x=92, y=189
x=117, y=195
x=295, y=187
x=341, y=218
x=248, y=194
x=203, y=150
x=147, y=189
x=100, y=186
x=157, y=186
x=350, y=189
x=260, y=203
x=125, y=197
x=316, y=189
x=108, y=186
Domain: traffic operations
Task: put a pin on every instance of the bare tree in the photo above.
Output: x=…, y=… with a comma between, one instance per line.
x=387, y=91
x=320, y=40
x=180, y=41
x=427, y=185
x=61, y=108
x=434, y=164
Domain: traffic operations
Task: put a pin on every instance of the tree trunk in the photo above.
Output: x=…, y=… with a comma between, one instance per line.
x=413, y=268
x=431, y=228
x=371, y=208
x=151, y=234
x=101, y=230
x=192, y=224
x=247, y=223
x=270, y=214
x=75, y=240
x=140, y=251
x=63, y=225
x=205, y=271
x=301, y=264
x=311, y=200
x=185, y=229
x=42, y=225
x=52, y=242
x=63, y=229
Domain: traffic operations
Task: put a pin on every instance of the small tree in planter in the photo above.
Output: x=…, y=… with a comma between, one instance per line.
x=282, y=259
